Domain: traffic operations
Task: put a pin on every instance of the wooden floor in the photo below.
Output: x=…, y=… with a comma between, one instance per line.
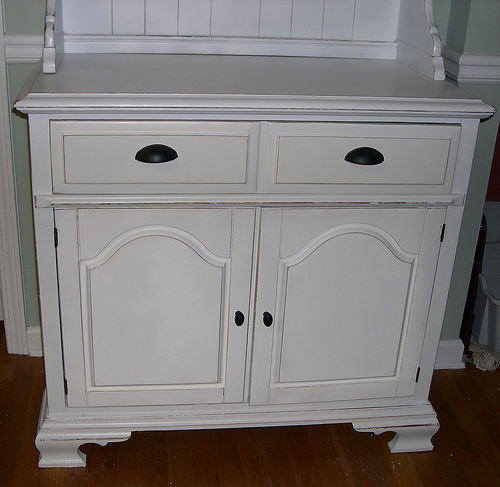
x=467, y=447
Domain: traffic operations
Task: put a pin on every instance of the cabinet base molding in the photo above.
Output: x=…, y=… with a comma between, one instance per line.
x=59, y=438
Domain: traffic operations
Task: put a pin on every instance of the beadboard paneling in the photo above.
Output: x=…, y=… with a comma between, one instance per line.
x=161, y=17
x=194, y=25
x=275, y=18
x=128, y=17
x=335, y=25
x=363, y=20
x=376, y=20
x=89, y=17
x=307, y=19
x=238, y=18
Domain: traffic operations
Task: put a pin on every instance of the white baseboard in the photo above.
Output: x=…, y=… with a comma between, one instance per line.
x=449, y=355
x=34, y=336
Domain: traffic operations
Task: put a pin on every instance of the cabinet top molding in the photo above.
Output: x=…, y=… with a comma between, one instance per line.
x=249, y=87
x=402, y=30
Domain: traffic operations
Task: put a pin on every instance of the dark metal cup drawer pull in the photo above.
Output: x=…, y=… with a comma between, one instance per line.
x=365, y=156
x=156, y=154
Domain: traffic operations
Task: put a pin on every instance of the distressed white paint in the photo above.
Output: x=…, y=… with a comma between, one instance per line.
x=328, y=352
x=310, y=255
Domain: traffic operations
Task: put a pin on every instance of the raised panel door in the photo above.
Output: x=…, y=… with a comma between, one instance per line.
x=349, y=293
x=158, y=299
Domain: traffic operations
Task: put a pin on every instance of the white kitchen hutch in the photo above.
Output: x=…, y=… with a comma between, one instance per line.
x=246, y=214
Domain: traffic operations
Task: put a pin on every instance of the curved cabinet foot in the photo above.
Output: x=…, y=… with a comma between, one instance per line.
x=59, y=441
x=413, y=438
x=60, y=453
x=408, y=438
x=61, y=448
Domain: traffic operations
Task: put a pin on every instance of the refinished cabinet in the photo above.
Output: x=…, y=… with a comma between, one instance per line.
x=228, y=238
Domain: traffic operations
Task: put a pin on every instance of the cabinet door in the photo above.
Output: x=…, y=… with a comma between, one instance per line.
x=348, y=292
x=148, y=304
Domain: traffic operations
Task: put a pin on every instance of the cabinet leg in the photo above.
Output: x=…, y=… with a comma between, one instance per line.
x=59, y=442
x=408, y=438
x=60, y=453
x=58, y=449
x=413, y=438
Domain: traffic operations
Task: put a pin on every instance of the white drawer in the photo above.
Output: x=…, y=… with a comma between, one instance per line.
x=312, y=157
x=103, y=156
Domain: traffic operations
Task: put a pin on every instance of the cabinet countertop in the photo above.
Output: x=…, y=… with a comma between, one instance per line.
x=131, y=82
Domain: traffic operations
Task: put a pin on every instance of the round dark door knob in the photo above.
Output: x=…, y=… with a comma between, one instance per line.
x=239, y=318
x=267, y=318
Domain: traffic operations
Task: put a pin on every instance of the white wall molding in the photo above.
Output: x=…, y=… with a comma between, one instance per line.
x=34, y=335
x=471, y=68
x=11, y=285
x=449, y=355
x=20, y=48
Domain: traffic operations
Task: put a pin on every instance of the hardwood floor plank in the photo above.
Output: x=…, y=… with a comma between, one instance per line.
x=476, y=445
x=361, y=454
x=20, y=418
x=201, y=467
x=101, y=461
x=6, y=370
x=240, y=458
x=401, y=465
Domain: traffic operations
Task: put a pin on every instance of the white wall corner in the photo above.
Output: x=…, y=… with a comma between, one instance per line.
x=449, y=355
x=34, y=336
x=471, y=68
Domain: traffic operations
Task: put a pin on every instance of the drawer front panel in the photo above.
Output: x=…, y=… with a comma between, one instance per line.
x=100, y=156
x=312, y=158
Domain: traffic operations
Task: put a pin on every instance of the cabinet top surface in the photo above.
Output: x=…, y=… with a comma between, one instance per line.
x=133, y=81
